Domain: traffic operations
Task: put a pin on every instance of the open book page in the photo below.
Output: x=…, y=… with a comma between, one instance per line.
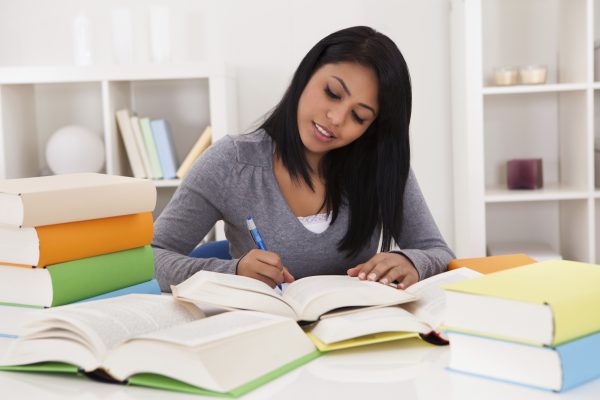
x=366, y=322
x=207, y=330
x=201, y=278
x=431, y=304
x=316, y=295
x=103, y=324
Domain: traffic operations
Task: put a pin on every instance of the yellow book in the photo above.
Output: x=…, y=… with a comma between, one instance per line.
x=202, y=144
x=546, y=303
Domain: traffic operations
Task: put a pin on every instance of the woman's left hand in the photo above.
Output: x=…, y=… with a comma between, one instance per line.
x=387, y=268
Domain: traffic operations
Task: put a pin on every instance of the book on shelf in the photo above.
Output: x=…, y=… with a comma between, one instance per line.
x=489, y=264
x=131, y=147
x=305, y=299
x=203, y=142
x=161, y=132
x=158, y=342
x=13, y=317
x=56, y=199
x=141, y=146
x=557, y=368
x=547, y=303
x=53, y=244
x=421, y=318
x=151, y=149
x=75, y=280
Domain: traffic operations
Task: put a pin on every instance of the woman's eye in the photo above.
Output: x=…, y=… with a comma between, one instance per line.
x=330, y=93
x=357, y=118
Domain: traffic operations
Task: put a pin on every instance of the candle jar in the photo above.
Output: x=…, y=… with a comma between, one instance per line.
x=533, y=74
x=505, y=76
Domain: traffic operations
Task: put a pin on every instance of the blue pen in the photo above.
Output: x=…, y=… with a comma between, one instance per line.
x=256, y=236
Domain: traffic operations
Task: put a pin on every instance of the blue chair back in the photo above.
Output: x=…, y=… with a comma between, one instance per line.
x=218, y=249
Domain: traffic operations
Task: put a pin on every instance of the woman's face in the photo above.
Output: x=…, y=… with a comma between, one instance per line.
x=337, y=106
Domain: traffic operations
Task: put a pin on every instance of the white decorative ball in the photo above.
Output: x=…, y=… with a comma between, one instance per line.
x=74, y=148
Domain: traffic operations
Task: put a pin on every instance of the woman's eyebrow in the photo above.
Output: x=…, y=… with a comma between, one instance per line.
x=341, y=81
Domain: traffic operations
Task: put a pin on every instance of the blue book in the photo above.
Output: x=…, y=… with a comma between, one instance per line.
x=14, y=317
x=556, y=368
x=165, y=148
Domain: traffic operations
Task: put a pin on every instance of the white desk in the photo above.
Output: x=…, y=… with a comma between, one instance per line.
x=403, y=370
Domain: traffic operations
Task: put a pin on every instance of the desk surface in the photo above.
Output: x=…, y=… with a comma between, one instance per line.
x=406, y=370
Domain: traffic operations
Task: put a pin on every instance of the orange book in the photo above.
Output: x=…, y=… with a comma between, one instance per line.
x=52, y=244
x=487, y=265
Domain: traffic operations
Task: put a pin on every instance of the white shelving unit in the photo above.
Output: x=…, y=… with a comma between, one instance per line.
x=36, y=101
x=555, y=121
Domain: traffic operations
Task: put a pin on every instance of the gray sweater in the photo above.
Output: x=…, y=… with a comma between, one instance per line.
x=233, y=179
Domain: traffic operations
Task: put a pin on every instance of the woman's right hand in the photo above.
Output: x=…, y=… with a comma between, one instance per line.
x=265, y=266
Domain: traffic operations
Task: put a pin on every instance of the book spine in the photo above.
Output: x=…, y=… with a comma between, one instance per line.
x=74, y=240
x=139, y=141
x=164, y=146
x=149, y=287
x=151, y=148
x=133, y=154
x=80, y=204
x=580, y=360
x=88, y=277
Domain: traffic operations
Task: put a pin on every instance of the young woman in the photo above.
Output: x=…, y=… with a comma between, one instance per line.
x=326, y=179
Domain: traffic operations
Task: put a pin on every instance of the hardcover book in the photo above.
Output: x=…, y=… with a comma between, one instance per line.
x=57, y=199
x=158, y=342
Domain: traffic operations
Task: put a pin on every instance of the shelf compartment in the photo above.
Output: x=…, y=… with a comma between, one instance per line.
x=184, y=103
x=33, y=112
x=563, y=225
x=550, y=126
x=524, y=32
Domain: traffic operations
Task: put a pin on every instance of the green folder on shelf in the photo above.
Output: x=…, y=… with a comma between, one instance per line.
x=151, y=147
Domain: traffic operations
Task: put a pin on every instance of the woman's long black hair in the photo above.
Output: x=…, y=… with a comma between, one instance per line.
x=370, y=173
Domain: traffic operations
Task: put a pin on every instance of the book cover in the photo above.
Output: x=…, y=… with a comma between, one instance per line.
x=151, y=149
x=56, y=199
x=556, y=368
x=554, y=299
x=161, y=132
x=203, y=142
x=139, y=141
x=487, y=265
x=72, y=281
x=53, y=244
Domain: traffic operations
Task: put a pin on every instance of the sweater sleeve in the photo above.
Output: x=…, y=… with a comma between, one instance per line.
x=420, y=239
x=189, y=216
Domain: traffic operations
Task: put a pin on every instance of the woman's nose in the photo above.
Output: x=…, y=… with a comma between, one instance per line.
x=336, y=115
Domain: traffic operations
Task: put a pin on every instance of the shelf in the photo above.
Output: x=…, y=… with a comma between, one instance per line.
x=545, y=88
x=138, y=72
x=497, y=194
x=167, y=183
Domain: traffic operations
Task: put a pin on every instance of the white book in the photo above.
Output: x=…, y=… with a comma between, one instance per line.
x=424, y=316
x=305, y=299
x=131, y=147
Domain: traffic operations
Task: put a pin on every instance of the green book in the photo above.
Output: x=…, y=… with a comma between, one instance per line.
x=151, y=149
x=75, y=280
x=156, y=341
x=546, y=303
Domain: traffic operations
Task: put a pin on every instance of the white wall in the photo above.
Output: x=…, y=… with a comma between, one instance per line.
x=264, y=40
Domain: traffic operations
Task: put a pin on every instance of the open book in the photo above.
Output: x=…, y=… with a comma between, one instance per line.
x=306, y=299
x=419, y=318
x=158, y=342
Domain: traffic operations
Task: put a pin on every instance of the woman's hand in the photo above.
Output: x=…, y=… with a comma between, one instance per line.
x=387, y=268
x=265, y=266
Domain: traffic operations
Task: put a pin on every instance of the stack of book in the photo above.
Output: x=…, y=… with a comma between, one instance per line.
x=150, y=148
x=67, y=238
x=536, y=325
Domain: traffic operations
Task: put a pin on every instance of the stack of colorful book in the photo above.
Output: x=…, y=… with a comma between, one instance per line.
x=67, y=238
x=536, y=325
